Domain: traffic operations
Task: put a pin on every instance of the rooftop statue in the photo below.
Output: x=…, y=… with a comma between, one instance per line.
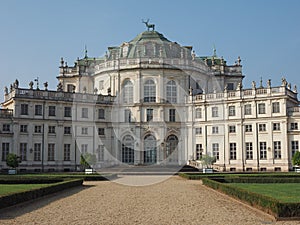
x=149, y=25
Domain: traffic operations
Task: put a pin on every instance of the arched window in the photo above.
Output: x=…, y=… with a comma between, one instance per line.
x=171, y=153
x=128, y=150
x=127, y=92
x=198, y=113
x=171, y=91
x=150, y=149
x=149, y=91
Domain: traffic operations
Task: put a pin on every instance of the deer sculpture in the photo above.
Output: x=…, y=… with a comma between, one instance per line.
x=152, y=26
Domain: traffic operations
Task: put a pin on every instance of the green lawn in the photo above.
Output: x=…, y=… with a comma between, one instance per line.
x=13, y=188
x=285, y=192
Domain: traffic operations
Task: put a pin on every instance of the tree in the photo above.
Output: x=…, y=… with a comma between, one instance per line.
x=12, y=160
x=296, y=159
x=208, y=160
x=87, y=160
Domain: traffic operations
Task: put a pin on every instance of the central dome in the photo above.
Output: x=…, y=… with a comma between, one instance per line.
x=152, y=44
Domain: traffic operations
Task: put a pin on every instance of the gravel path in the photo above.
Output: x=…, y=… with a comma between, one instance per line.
x=174, y=201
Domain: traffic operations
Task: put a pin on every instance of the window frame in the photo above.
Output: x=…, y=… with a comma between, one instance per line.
x=51, y=110
x=231, y=110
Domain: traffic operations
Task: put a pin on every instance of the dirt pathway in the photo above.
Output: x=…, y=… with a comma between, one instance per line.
x=174, y=201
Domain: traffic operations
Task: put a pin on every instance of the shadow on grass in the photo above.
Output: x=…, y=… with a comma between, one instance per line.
x=29, y=206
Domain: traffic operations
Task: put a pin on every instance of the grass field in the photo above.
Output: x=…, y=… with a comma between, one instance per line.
x=285, y=192
x=13, y=188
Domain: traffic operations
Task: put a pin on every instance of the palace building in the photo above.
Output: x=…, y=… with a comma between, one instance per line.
x=147, y=102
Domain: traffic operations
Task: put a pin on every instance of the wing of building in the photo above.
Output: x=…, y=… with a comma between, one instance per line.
x=151, y=101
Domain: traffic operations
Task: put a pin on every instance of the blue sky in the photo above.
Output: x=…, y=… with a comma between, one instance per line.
x=36, y=33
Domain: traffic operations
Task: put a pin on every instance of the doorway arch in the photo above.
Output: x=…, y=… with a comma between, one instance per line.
x=150, y=149
x=128, y=149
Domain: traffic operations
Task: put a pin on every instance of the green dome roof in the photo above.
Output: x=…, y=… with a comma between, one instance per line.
x=150, y=44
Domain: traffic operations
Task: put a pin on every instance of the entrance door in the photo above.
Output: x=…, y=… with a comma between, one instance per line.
x=150, y=149
x=128, y=150
x=171, y=151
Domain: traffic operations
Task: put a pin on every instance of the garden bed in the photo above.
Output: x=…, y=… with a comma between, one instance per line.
x=32, y=190
x=269, y=203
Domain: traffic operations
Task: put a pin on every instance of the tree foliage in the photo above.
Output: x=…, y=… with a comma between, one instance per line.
x=208, y=160
x=12, y=160
x=87, y=160
x=296, y=159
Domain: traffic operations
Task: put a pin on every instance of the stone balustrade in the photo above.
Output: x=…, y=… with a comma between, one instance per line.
x=60, y=96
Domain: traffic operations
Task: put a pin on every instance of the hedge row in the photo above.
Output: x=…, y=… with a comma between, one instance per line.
x=30, y=181
x=198, y=176
x=265, y=203
x=260, y=179
x=51, y=178
x=15, y=198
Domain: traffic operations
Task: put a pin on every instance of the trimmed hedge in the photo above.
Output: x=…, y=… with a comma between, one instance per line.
x=15, y=198
x=265, y=203
x=258, y=179
x=41, y=177
x=30, y=181
x=197, y=176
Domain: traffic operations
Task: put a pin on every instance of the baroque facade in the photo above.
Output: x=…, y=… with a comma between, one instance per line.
x=151, y=101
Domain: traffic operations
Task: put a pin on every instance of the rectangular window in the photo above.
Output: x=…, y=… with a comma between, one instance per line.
x=262, y=127
x=101, y=131
x=84, y=148
x=294, y=126
x=214, y=111
x=68, y=111
x=232, y=149
x=248, y=128
x=6, y=127
x=232, y=129
x=38, y=110
x=215, y=130
x=67, y=130
x=52, y=110
x=101, y=84
x=23, y=128
x=247, y=109
x=23, y=151
x=172, y=115
x=275, y=107
x=127, y=115
x=276, y=126
x=5, y=151
x=215, y=148
x=101, y=114
x=295, y=147
x=198, y=130
x=277, y=150
x=70, y=88
x=37, y=152
x=51, y=152
x=37, y=129
x=199, y=151
x=198, y=113
x=231, y=111
x=24, y=109
x=249, y=150
x=230, y=86
x=149, y=115
x=84, y=113
x=263, y=150
x=84, y=130
x=51, y=129
x=67, y=152
x=100, y=153
x=261, y=108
